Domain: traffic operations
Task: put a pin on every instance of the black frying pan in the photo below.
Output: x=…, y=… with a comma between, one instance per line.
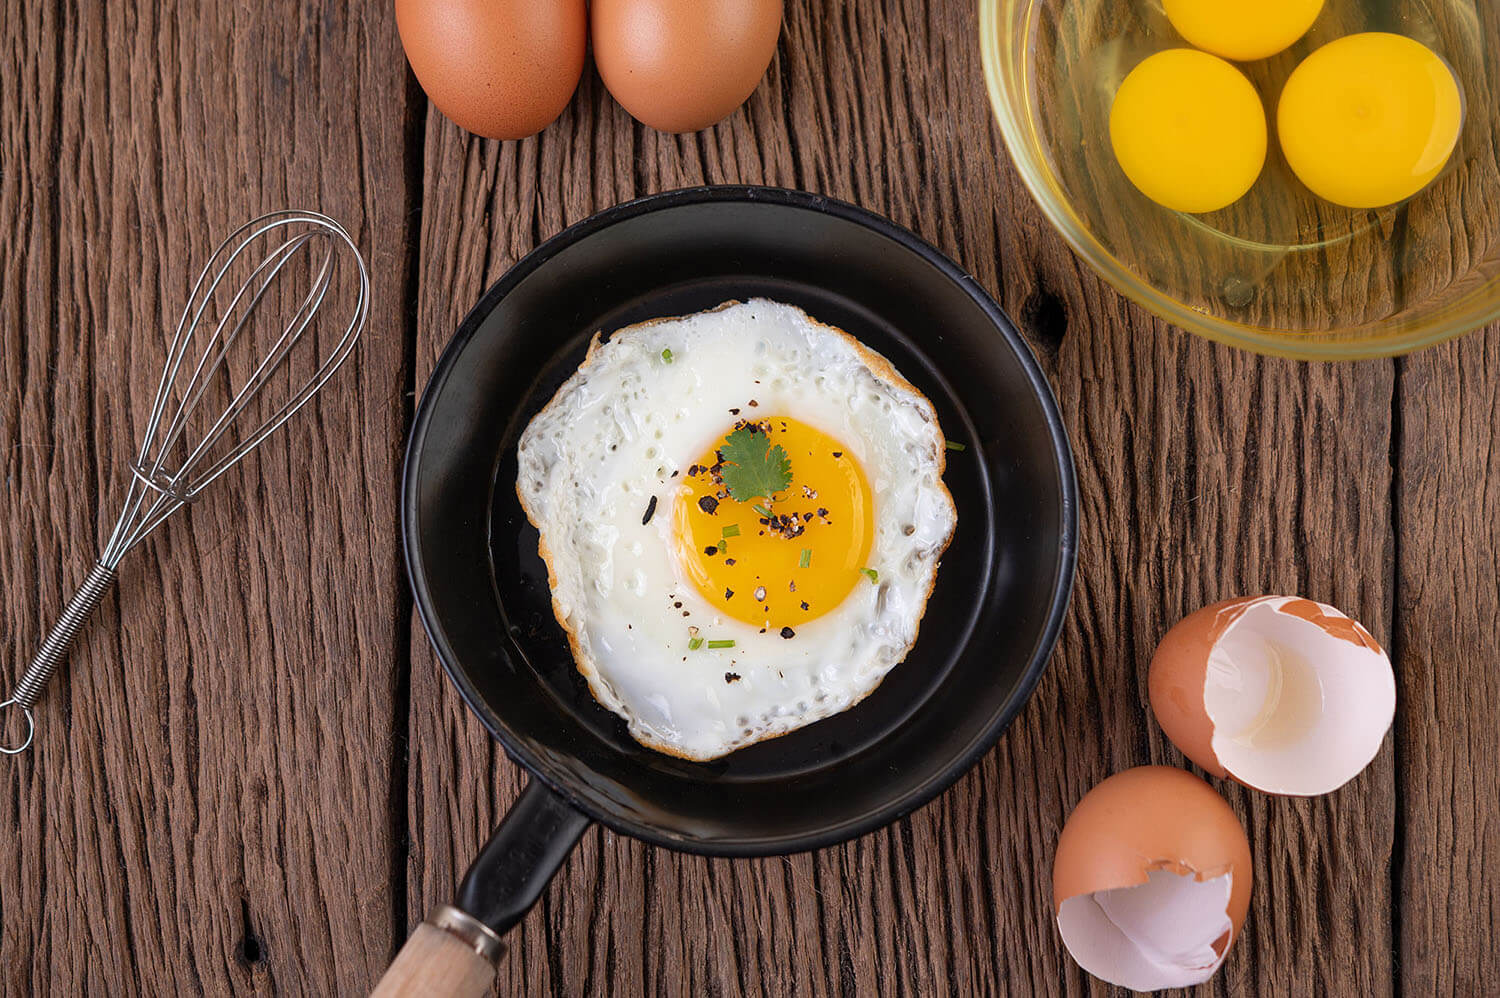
x=481, y=588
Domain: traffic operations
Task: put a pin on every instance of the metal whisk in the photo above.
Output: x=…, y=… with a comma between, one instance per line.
x=187, y=444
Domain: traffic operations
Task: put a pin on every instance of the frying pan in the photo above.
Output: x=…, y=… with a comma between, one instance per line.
x=481, y=588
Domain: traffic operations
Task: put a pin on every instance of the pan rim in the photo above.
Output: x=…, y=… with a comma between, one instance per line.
x=943, y=777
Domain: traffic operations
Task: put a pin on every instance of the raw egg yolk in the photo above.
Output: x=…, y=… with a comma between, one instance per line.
x=1370, y=119
x=1242, y=30
x=800, y=562
x=1189, y=130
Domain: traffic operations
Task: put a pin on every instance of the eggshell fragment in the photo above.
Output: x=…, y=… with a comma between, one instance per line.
x=1283, y=694
x=1151, y=881
x=682, y=65
x=504, y=69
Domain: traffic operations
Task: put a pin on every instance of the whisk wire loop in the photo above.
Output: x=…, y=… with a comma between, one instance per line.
x=201, y=379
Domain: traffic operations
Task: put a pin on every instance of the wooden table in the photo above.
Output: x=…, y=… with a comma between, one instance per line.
x=254, y=776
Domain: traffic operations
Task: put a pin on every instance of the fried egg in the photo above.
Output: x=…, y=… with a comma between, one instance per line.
x=742, y=513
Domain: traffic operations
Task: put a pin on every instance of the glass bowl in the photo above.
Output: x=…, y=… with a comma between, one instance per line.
x=1281, y=271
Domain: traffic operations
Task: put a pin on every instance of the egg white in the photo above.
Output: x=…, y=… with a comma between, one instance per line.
x=627, y=426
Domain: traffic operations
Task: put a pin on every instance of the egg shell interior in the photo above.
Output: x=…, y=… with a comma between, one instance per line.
x=1151, y=880
x=1160, y=934
x=1299, y=696
x=1284, y=694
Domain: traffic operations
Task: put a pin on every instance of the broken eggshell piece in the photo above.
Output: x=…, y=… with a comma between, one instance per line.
x=1151, y=880
x=1283, y=694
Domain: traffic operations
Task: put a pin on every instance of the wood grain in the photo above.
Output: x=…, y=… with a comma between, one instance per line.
x=208, y=808
x=1447, y=645
x=254, y=776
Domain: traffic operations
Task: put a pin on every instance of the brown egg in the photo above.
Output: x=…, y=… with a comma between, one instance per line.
x=1280, y=693
x=1151, y=880
x=682, y=65
x=504, y=69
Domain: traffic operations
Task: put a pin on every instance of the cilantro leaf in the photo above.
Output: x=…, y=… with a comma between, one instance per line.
x=751, y=469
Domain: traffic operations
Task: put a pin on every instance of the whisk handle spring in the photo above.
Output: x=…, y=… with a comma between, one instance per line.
x=54, y=649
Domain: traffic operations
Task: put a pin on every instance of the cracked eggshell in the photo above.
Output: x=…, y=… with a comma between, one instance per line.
x=1176, y=680
x=1283, y=694
x=1151, y=880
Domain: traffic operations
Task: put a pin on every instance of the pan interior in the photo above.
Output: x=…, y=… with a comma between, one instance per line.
x=988, y=627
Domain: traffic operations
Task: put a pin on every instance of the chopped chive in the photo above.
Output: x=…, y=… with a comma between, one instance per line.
x=762, y=510
x=721, y=644
x=806, y=558
x=666, y=356
x=694, y=644
x=874, y=575
x=733, y=530
x=955, y=445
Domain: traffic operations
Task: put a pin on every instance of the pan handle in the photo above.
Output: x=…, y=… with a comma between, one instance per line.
x=455, y=950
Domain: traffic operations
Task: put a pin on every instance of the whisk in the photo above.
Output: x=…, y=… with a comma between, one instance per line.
x=187, y=445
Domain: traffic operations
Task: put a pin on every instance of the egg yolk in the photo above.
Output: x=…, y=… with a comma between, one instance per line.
x=1242, y=30
x=1188, y=130
x=1370, y=119
x=800, y=562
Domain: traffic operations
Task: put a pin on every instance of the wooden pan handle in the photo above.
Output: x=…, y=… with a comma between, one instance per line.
x=450, y=955
x=454, y=952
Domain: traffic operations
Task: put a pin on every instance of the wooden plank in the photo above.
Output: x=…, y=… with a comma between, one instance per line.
x=209, y=805
x=1447, y=649
x=1203, y=472
x=1448, y=572
x=29, y=129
